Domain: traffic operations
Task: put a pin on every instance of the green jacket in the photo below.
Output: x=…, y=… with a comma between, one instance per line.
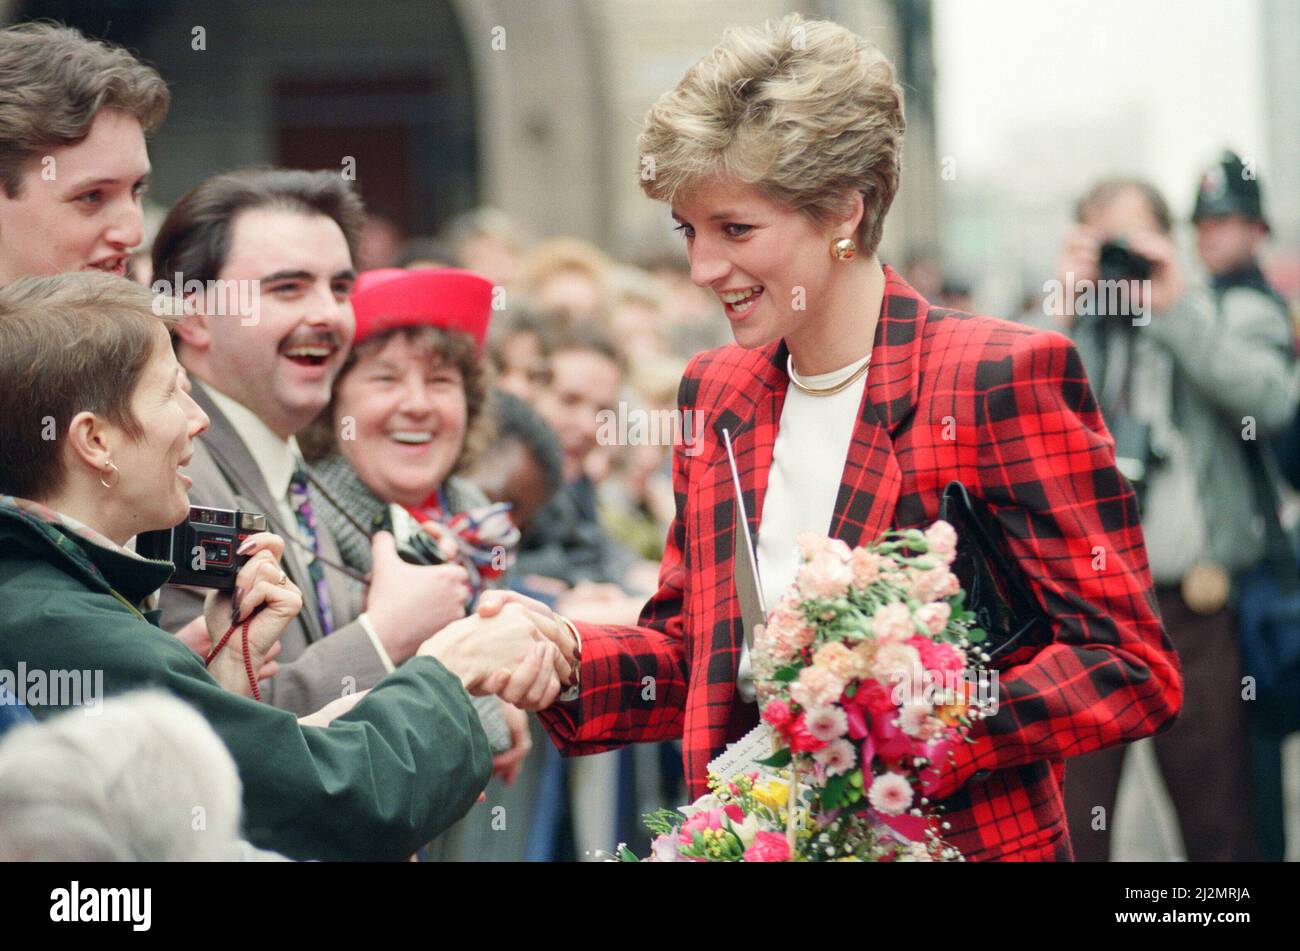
x=380, y=781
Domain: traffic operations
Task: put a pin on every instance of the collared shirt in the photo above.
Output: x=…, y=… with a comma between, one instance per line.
x=277, y=459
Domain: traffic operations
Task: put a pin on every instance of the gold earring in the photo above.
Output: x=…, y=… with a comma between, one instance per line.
x=113, y=466
x=843, y=249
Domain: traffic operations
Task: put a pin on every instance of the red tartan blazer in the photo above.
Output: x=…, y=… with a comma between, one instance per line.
x=1008, y=411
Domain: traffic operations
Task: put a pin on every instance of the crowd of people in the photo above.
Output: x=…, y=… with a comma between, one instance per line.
x=457, y=524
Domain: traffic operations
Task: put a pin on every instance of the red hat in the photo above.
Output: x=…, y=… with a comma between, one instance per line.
x=435, y=297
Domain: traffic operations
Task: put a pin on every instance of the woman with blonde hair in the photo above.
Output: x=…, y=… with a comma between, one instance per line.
x=851, y=402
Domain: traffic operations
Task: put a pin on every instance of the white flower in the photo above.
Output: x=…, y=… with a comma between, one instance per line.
x=912, y=718
x=826, y=723
x=890, y=794
x=838, y=757
x=703, y=804
x=747, y=830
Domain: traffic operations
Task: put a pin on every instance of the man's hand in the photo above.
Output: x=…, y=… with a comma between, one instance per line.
x=408, y=603
x=1166, y=277
x=549, y=626
x=1079, y=261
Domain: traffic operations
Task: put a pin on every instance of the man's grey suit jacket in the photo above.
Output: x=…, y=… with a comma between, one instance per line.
x=314, y=669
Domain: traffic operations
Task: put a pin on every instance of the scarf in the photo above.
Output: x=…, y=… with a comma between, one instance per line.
x=486, y=538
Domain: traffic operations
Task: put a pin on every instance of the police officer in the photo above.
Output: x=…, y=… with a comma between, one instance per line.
x=1230, y=230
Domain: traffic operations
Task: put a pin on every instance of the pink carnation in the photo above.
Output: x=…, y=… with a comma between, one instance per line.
x=816, y=687
x=768, y=847
x=934, y=616
x=899, y=662
x=865, y=566
x=801, y=741
x=840, y=661
x=941, y=540
x=933, y=583
x=938, y=656
x=892, y=623
x=826, y=576
x=811, y=544
x=778, y=714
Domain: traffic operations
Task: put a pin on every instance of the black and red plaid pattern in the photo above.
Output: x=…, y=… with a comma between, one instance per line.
x=1008, y=411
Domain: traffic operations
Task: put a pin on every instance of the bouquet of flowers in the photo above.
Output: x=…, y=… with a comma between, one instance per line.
x=868, y=673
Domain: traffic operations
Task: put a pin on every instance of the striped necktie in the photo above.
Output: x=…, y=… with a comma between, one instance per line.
x=300, y=502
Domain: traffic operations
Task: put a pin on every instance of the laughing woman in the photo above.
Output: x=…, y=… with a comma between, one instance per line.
x=409, y=410
x=851, y=402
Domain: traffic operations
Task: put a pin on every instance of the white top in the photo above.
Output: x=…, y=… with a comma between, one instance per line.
x=812, y=444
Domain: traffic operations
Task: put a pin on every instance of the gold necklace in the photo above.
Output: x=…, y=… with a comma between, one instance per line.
x=830, y=390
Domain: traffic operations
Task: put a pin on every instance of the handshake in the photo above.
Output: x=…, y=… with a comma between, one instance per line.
x=512, y=646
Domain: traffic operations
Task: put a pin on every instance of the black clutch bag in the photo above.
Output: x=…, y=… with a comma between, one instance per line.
x=996, y=593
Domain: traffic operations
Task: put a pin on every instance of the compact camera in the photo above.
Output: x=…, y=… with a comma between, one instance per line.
x=1118, y=262
x=203, y=548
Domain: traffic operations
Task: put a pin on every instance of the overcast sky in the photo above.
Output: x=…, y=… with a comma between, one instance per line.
x=1004, y=66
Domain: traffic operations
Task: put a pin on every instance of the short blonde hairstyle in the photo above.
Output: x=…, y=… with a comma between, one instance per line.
x=805, y=110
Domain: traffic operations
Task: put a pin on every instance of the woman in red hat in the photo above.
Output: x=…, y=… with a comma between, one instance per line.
x=410, y=408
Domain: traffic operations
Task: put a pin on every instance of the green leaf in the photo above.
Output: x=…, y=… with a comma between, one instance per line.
x=626, y=855
x=787, y=673
x=833, y=792
x=977, y=635
x=777, y=760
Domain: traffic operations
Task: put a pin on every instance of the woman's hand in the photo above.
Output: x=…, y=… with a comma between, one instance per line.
x=445, y=539
x=263, y=593
x=507, y=654
x=506, y=766
x=548, y=624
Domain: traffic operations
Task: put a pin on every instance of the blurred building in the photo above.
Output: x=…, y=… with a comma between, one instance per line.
x=437, y=106
x=1281, y=180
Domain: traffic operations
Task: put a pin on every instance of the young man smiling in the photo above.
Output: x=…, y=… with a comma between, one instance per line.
x=74, y=114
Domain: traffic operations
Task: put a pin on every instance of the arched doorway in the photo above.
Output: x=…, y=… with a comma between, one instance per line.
x=383, y=90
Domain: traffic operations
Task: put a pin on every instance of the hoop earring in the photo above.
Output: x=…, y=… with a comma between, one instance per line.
x=113, y=466
x=844, y=249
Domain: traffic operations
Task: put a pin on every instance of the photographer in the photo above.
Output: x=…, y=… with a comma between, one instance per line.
x=1180, y=389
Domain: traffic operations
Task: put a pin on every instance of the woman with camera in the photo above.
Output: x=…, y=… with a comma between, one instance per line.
x=410, y=409
x=94, y=430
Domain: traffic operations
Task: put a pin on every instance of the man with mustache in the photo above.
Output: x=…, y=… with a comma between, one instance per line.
x=264, y=259
x=74, y=113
